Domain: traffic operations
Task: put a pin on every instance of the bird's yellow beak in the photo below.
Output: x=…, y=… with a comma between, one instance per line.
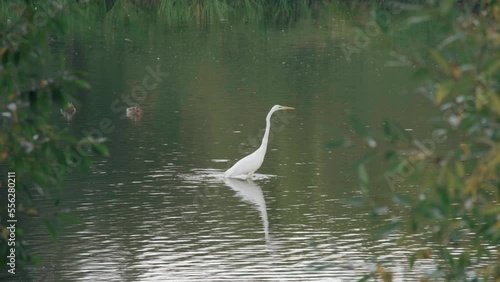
x=288, y=108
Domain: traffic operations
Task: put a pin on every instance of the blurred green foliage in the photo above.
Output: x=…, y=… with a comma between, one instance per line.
x=459, y=213
x=32, y=93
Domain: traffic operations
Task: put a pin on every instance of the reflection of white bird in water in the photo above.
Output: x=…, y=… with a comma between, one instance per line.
x=251, y=193
x=68, y=111
x=249, y=164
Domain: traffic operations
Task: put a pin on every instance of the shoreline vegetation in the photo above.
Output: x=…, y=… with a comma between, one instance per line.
x=209, y=12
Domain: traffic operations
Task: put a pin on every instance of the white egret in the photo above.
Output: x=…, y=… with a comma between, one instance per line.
x=249, y=164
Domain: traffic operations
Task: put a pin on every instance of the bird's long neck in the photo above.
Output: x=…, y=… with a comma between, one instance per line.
x=263, y=146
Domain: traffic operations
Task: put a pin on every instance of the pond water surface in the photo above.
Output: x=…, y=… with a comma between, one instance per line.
x=158, y=209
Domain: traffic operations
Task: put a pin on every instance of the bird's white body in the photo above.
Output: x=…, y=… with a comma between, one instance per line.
x=251, y=163
x=248, y=165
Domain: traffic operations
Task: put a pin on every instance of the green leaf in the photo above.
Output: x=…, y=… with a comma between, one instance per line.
x=17, y=58
x=365, y=278
x=338, y=144
x=464, y=260
x=402, y=131
x=450, y=39
x=492, y=67
x=58, y=97
x=33, y=100
x=414, y=225
x=363, y=174
x=445, y=6
x=441, y=61
x=447, y=255
x=491, y=209
x=389, y=132
x=101, y=149
x=51, y=228
x=421, y=73
x=445, y=198
x=357, y=125
x=67, y=217
x=413, y=258
x=40, y=178
x=3, y=54
x=82, y=84
x=442, y=91
x=418, y=19
x=391, y=155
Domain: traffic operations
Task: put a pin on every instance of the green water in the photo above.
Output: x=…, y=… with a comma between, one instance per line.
x=158, y=209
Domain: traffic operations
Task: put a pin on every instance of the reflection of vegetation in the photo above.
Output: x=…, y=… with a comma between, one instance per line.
x=460, y=209
x=38, y=152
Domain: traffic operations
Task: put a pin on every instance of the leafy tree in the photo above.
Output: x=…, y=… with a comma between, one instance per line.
x=32, y=146
x=459, y=210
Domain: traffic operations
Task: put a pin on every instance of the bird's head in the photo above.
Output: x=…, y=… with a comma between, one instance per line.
x=279, y=107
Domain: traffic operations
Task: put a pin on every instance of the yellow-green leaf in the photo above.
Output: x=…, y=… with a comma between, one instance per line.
x=3, y=50
x=445, y=6
x=441, y=61
x=492, y=67
x=494, y=102
x=481, y=99
x=32, y=212
x=460, y=169
x=491, y=209
x=442, y=91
